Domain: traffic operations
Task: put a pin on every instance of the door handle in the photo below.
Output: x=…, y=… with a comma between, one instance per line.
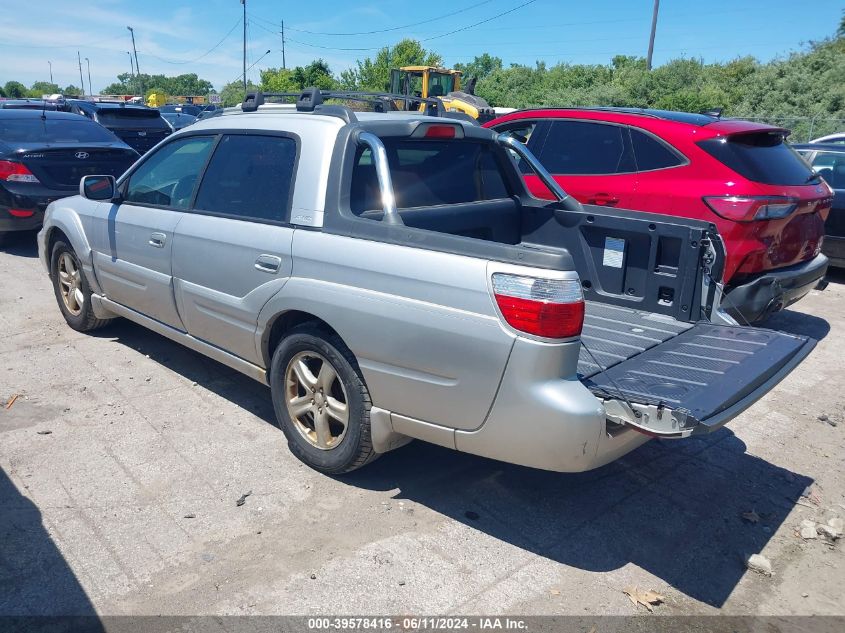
x=157, y=240
x=268, y=263
x=605, y=199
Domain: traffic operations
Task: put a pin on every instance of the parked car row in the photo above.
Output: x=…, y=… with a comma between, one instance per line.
x=392, y=277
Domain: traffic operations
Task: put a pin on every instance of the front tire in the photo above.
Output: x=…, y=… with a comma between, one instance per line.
x=321, y=401
x=71, y=289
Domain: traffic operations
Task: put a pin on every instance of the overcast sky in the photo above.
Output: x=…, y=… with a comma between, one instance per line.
x=177, y=36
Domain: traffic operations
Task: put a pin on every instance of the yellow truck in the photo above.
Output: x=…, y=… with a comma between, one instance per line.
x=156, y=99
x=430, y=82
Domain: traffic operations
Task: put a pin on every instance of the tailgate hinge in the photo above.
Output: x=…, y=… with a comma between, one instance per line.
x=657, y=420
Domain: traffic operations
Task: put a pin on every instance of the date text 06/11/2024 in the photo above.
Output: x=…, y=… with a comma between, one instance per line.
x=421, y=623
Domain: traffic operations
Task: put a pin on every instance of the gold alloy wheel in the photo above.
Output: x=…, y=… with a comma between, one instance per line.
x=316, y=400
x=70, y=284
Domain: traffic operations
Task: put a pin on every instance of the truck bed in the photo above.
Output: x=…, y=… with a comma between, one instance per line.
x=614, y=334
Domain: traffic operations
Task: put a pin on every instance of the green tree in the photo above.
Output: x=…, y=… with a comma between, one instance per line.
x=14, y=89
x=124, y=85
x=374, y=74
x=317, y=74
x=233, y=93
x=278, y=80
x=480, y=68
x=41, y=88
x=188, y=84
x=72, y=91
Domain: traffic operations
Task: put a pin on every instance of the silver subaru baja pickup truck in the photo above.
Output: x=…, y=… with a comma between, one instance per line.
x=389, y=277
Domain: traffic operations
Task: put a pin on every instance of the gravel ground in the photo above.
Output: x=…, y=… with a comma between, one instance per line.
x=124, y=454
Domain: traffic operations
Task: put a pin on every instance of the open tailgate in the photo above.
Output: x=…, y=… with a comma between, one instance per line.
x=697, y=380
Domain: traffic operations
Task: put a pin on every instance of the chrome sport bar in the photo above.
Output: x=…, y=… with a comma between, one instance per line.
x=385, y=182
x=567, y=202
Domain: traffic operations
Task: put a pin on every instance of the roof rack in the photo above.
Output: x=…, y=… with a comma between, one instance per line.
x=312, y=100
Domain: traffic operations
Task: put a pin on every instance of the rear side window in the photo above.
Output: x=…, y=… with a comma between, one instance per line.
x=429, y=173
x=651, y=153
x=762, y=157
x=578, y=147
x=249, y=176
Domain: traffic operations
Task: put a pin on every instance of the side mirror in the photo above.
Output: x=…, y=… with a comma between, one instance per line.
x=98, y=187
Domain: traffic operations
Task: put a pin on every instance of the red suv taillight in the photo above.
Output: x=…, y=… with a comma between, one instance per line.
x=750, y=208
x=551, y=308
x=11, y=171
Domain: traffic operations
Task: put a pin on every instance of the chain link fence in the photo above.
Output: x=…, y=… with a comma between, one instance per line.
x=804, y=128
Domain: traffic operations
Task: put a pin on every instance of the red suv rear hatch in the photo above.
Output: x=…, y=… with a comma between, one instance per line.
x=780, y=213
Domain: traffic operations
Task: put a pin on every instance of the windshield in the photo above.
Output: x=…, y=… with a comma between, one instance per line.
x=440, y=84
x=37, y=130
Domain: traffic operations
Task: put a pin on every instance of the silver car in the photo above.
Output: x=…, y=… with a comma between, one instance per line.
x=389, y=277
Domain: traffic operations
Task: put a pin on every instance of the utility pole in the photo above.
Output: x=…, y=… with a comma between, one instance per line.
x=90, y=86
x=284, y=66
x=131, y=70
x=81, y=80
x=243, y=2
x=651, y=38
x=51, y=70
x=137, y=67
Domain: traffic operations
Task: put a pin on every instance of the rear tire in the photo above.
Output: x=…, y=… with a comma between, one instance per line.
x=72, y=291
x=321, y=401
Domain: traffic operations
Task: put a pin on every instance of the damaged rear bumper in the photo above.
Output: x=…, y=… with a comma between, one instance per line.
x=767, y=293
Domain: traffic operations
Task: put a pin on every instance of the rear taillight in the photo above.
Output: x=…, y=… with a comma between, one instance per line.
x=551, y=308
x=21, y=213
x=750, y=208
x=11, y=171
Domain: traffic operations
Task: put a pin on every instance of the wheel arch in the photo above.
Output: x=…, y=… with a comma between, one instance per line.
x=281, y=323
x=65, y=223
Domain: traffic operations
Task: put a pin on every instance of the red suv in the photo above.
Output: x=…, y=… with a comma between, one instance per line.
x=767, y=203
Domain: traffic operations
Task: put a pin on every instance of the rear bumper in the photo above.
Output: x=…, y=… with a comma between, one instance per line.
x=10, y=223
x=27, y=197
x=758, y=298
x=542, y=421
x=834, y=249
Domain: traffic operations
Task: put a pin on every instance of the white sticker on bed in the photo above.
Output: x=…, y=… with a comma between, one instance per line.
x=614, y=252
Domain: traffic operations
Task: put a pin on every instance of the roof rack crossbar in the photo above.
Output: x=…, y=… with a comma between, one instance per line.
x=309, y=99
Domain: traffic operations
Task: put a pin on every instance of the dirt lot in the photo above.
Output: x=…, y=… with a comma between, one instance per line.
x=124, y=454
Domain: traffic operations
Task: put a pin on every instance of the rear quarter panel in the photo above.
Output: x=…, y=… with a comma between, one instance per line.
x=421, y=324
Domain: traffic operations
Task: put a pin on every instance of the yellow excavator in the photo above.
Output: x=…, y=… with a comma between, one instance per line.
x=431, y=82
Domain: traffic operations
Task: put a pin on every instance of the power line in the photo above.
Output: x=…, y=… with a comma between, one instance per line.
x=427, y=39
x=196, y=59
x=388, y=30
x=472, y=26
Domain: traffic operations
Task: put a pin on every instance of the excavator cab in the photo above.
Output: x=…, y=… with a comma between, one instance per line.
x=429, y=82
